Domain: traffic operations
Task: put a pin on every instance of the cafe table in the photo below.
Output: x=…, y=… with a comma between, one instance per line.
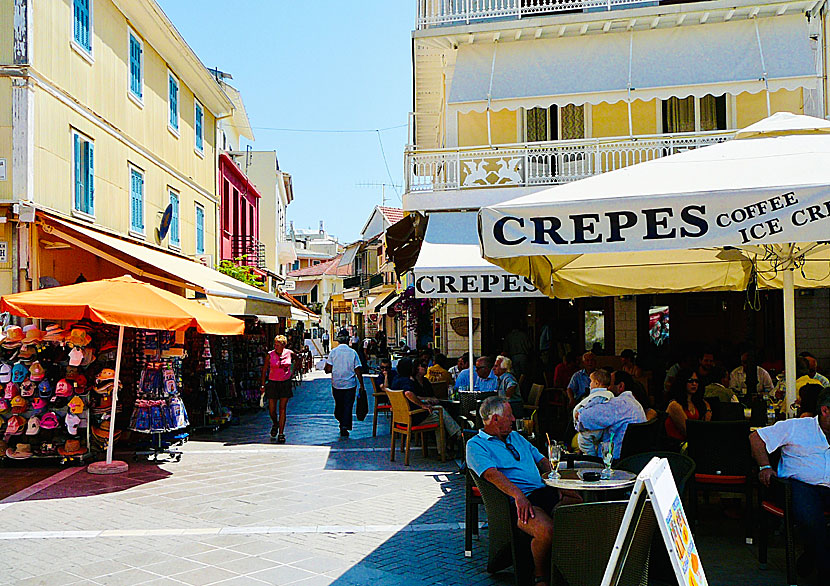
x=591, y=490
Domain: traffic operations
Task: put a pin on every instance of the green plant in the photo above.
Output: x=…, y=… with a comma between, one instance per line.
x=238, y=271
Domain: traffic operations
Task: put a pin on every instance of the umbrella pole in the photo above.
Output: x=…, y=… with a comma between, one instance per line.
x=470, y=338
x=110, y=467
x=789, y=337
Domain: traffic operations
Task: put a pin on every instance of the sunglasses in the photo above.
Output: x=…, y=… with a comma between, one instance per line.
x=693, y=380
x=513, y=451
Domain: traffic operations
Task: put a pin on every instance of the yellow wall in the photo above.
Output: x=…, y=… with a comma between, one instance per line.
x=472, y=128
x=6, y=30
x=753, y=107
x=612, y=119
x=6, y=132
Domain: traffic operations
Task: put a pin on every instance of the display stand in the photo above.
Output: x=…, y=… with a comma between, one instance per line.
x=656, y=484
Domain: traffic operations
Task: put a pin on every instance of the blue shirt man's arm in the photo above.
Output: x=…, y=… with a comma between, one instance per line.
x=596, y=415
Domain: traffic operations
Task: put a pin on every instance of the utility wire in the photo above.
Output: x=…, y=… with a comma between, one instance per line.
x=389, y=173
x=322, y=130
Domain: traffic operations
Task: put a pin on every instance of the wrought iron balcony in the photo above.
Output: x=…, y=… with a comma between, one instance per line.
x=352, y=282
x=454, y=12
x=540, y=163
x=248, y=251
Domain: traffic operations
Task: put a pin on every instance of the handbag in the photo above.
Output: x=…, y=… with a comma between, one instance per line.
x=362, y=408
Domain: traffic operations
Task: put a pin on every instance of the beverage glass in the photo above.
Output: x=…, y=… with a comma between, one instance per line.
x=554, y=455
x=607, y=453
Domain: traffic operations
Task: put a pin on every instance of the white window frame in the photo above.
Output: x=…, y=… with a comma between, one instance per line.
x=196, y=209
x=133, y=168
x=198, y=106
x=170, y=127
x=175, y=245
x=139, y=100
x=76, y=212
x=87, y=54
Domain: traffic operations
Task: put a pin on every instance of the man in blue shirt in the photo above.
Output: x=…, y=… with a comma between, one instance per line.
x=510, y=462
x=580, y=384
x=483, y=379
x=611, y=417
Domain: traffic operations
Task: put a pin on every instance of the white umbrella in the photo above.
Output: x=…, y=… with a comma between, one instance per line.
x=715, y=218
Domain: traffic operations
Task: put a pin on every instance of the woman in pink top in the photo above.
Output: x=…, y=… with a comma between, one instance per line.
x=276, y=384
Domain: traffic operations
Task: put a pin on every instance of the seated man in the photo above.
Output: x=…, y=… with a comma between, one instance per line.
x=463, y=363
x=719, y=387
x=483, y=379
x=805, y=453
x=588, y=440
x=580, y=382
x=506, y=459
x=737, y=379
x=437, y=373
x=812, y=365
x=612, y=416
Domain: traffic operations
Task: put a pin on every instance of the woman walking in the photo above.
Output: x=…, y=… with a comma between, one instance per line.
x=276, y=385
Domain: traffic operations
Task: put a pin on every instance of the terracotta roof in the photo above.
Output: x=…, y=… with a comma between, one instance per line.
x=324, y=268
x=392, y=214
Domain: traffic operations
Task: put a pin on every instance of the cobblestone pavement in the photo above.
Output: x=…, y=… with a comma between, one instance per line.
x=239, y=509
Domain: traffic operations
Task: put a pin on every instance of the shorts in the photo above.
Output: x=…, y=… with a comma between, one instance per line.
x=278, y=389
x=545, y=498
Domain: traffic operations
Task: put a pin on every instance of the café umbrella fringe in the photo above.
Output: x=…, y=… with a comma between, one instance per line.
x=124, y=302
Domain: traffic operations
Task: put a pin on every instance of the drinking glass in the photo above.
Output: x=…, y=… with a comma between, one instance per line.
x=607, y=453
x=554, y=455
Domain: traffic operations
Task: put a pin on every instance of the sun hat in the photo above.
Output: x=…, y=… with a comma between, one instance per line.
x=72, y=447
x=103, y=431
x=78, y=338
x=31, y=334
x=27, y=388
x=38, y=405
x=15, y=425
x=76, y=405
x=19, y=372
x=107, y=374
x=26, y=353
x=20, y=452
x=63, y=389
x=76, y=356
x=12, y=391
x=36, y=372
x=13, y=337
x=5, y=372
x=33, y=426
x=49, y=421
x=19, y=405
x=54, y=333
x=72, y=422
x=104, y=404
x=45, y=389
x=89, y=356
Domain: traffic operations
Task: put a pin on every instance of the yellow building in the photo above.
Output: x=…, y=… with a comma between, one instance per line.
x=107, y=119
x=514, y=96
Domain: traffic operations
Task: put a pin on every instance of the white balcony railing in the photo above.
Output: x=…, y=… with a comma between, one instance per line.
x=443, y=12
x=541, y=163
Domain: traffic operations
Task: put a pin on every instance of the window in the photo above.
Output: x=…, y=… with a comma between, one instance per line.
x=679, y=114
x=199, y=126
x=136, y=201
x=555, y=123
x=83, y=175
x=173, y=102
x=200, y=229
x=136, y=67
x=174, y=220
x=82, y=24
x=713, y=112
x=295, y=266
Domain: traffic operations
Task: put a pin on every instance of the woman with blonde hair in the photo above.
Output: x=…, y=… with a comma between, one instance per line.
x=276, y=385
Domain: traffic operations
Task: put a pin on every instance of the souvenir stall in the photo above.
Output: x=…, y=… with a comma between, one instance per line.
x=124, y=302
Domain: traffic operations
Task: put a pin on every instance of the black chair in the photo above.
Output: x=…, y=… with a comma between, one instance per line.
x=509, y=545
x=720, y=450
x=597, y=524
x=472, y=499
x=641, y=437
x=682, y=467
x=728, y=412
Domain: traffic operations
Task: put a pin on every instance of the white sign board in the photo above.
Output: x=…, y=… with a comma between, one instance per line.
x=479, y=284
x=289, y=286
x=4, y=251
x=2, y=169
x=656, y=478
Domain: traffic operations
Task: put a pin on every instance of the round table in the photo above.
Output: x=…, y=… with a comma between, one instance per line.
x=619, y=479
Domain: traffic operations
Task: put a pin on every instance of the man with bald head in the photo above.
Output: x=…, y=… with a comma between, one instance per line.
x=812, y=366
x=580, y=384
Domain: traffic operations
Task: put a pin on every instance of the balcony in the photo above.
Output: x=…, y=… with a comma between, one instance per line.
x=365, y=282
x=249, y=250
x=540, y=163
x=433, y=13
x=352, y=282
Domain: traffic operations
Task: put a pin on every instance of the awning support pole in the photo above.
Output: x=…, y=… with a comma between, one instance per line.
x=470, y=336
x=490, y=93
x=763, y=65
x=110, y=467
x=789, y=336
x=630, y=58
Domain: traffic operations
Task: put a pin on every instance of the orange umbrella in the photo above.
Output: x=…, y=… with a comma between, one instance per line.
x=124, y=302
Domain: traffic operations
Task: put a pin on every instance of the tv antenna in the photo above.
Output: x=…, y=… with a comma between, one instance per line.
x=383, y=187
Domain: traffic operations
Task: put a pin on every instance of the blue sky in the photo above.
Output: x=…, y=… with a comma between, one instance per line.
x=316, y=64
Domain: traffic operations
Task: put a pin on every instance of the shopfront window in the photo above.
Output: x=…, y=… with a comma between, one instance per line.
x=594, y=329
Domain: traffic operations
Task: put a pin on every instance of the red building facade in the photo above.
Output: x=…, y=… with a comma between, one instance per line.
x=239, y=212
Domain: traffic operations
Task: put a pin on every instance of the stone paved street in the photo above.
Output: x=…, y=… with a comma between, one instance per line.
x=238, y=509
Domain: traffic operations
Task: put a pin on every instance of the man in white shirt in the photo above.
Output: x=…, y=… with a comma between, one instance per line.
x=344, y=366
x=737, y=378
x=805, y=461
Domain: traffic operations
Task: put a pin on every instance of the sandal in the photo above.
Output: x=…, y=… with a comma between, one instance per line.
x=281, y=438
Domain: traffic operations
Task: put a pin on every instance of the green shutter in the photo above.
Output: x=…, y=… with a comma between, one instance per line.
x=90, y=186
x=79, y=177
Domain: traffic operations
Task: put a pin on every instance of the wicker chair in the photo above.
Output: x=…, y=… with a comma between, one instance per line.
x=641, y=437
x=682, y=467
x=472, y=499
x=533, y=398
x=402, y=413
x=381, y=404
x=509, y=545
x=597, y=524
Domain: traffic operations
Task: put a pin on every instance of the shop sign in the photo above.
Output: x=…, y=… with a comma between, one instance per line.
x=474, y=285
x=358, y=305
x=2, y=169
x=4, y=251
x=289, y=286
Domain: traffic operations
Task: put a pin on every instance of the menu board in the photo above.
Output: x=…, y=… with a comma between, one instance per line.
x=656, y=483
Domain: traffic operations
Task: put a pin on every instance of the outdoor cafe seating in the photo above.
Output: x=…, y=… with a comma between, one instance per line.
x=403, y=425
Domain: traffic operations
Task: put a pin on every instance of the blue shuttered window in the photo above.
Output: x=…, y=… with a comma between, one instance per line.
x=136, y=75
x=199, y=124
x=82, y=25
x=173, y=101
x=84, y=173
x=136, y=201
x=200, y=230
x=174, y=222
